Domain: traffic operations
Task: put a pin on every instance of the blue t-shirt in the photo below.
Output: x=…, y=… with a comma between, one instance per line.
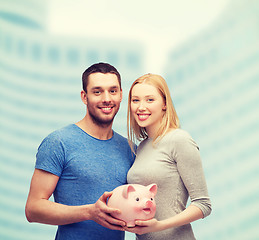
x=87, y=167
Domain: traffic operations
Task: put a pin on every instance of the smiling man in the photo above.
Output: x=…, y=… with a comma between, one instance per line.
x=102, y=97
x=80, y=162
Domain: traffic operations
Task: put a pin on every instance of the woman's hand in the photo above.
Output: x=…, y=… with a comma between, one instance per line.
x=146, y=226
x=190, y=214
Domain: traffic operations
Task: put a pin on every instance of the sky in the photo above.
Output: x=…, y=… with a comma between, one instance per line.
x=160, y=25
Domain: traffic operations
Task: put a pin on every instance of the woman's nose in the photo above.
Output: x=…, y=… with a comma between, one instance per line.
x=141, y=106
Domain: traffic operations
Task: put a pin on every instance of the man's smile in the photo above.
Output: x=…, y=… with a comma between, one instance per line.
x=106, y=109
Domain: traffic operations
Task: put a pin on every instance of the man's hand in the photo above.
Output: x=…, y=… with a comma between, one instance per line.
x=100, y=213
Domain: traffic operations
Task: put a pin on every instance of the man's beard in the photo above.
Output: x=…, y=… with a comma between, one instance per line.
x=99, y=121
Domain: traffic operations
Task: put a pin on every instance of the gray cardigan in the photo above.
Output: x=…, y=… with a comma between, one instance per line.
x=174, y=164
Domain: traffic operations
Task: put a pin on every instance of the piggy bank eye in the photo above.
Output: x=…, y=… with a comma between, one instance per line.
x=137, y=199
x=151, y=199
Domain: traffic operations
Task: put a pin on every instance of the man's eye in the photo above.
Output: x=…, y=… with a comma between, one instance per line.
x=113, y=91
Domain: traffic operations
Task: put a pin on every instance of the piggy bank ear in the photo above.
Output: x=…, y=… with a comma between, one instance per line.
x=127, y=189
x=152, y=188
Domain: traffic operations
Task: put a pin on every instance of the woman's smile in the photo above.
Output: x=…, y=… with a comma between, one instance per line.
x=143, y=117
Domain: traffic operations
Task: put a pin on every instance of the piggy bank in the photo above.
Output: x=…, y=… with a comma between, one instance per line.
x=135, y=201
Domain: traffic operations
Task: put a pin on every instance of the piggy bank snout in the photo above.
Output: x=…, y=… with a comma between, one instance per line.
x=149, y=204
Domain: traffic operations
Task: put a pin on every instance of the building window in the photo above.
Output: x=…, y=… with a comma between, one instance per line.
x=8, y=43
x=73, y=56
x=92, y=56
x=21, y=48
x=113, y=58
x=132, y=60
x=36, y=52
x=53, y=55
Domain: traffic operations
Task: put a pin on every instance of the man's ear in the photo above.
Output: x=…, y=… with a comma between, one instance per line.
x=121, y=95
x=84, y=97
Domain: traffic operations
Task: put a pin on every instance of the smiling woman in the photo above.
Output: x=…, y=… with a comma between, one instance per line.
x=168, y=156
x=151, y=112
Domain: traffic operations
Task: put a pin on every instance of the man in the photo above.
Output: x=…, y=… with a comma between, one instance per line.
x=81, y=161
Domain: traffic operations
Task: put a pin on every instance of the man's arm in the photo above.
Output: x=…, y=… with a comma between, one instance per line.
x=40, y=209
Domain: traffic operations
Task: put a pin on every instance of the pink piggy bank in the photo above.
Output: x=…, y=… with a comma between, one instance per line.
x=135, y=201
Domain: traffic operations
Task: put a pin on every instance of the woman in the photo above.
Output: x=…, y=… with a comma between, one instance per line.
x=167, y=156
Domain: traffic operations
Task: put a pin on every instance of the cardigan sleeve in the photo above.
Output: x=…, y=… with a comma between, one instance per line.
x=187, y=157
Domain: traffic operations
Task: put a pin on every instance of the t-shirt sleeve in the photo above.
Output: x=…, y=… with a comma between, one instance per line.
x=188, y=160
x=51, y=155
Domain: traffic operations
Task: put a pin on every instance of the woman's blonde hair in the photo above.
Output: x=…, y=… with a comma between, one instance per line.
x=169, y=120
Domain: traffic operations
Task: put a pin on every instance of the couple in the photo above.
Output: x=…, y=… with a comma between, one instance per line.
x=80, y=162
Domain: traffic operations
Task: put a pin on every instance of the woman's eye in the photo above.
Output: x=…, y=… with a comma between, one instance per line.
x=135, y=100
x=150, y=100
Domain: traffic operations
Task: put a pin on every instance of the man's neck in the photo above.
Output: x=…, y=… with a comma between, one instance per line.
x=97, y=131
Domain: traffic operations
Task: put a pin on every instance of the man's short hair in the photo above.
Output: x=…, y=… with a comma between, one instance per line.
x=99, y=68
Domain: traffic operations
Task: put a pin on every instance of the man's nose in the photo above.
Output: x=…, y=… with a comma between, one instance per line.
x=106, y=96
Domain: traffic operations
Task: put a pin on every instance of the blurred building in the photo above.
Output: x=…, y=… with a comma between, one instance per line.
x=213, y=77
x=214, y=82
x=40, y=78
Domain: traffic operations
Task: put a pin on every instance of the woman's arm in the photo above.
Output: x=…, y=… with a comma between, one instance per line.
x=190, y=214
x=40, y=209
x=186, y=154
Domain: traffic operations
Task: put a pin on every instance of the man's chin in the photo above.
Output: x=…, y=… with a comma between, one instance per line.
x=103, y=122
